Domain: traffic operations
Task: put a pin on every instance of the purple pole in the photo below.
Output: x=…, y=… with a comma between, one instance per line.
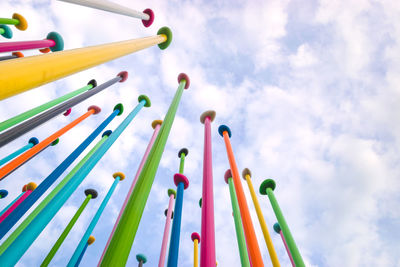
x=207, y=249
x=172, y=195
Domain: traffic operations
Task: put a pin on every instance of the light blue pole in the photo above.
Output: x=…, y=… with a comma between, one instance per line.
x=33, y=141
x=12, y=202
x=176, y=228
x=76, y=257
x=21, y=243
x=81, y=256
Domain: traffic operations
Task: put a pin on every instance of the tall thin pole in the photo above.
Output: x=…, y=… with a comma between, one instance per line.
x=88, y=243
x=168, y=215
x=196, y=240
x=14, y=200
x=277, y=229
x=32, y=142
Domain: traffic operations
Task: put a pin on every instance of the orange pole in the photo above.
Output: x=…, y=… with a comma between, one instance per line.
x=250, y=235
x=14, y=164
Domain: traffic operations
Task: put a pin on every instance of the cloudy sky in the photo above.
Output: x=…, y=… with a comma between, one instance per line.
x=310, y=90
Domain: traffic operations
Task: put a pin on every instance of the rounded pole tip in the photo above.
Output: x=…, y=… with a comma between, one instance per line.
x=91, y=240
x=245, y=172
x=66, y=113
x=147, y=23
x=123, y=75
x=24, y=188
x=3, y=193
x=184, y=151
x=141, y=257
x=184, y=76
x=227, y=175
x=195, y=236
x=34, y=141
x=166, y=211
x=55, y=142
x=277, y=228
x=31, y=186
x=167, y=32
x=145, y=98
x=155, y=123
x=96, y=109
x=7, y=31
x=200, y=202
x=91, y=192
x=180, y=178
x=268, y=183
x=171, y=192
x=120, y=107
x=93, y=83
x=56, y=37
x=120, y=175
x=209, y=113
x=223, y=128
x=106, y=133
x=17, y=54
x=23, y=24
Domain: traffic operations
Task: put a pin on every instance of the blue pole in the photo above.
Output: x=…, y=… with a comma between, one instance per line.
x=12, y=202
x=33, y=141
x=21, y=243
x=82, y=253
x=13, y=218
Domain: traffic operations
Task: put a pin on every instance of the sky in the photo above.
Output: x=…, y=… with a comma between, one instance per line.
x=310, y=90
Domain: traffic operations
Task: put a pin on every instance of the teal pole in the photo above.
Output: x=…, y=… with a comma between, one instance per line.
x=15, y=200
x=33, y=141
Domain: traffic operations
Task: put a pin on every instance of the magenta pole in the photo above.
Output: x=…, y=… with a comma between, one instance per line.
x=156, y=124
x=207, y=248
x=172, y=195
x=278, y=230
x=54, y=41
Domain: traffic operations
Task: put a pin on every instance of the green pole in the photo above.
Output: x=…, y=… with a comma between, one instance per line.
x=90, y=193
x=9, y=21
x=121, y=242
x=267, y=188
x=182, y=154
x=30, y=113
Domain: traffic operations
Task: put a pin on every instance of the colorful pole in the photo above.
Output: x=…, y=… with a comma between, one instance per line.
x=88, y=243
x=196, y=240
x=182, y=183
x=121, y=242
x=3, y=193
x=34, y=122
x=6, y=32
x=13, y=55
x=17, y=76
x=251, y=239
x=267, y=188
x=12, y=202
x=277, y=229
x=244, y=257
x=14, y=164
x=169, y=216
x=246, y=174
x=90, y=194
x=156, y=124
x=18, y=20
x=118, y=176
x=54, y=175
x=141, y=259
x=147, y=16
x=207, y=253
x=54, y=41
x=32, y=142
x=22, y=242
x=30, y=113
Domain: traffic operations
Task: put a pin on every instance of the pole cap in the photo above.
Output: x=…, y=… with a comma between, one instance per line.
x=7, y=31
x=180, y=178
x=3, y=193
x=146, y=98
x=106, y=133
x=268, y=183
x=277, y=228
x=155, y=123
x=93, y=83
x=167, y=32
x=184, y=76
x=147, y=23
x=17, y=54
x=91, y=240
x=209, y=113
x=245, y=172
x=223, y=128
x=184, y=151
x=172, y=213
x=195, y=236
x=91, y=192
x=55, y=142
x=24, y=188
x=23, y=24
x=141, y=257
x=67, y=112
x=120, y=107
x=96, y=109
x=227, y=175
x=123, y=75
x=120, y=175
x=56, y=37
x=34, y=141
x=171, y=192
x=31, y=186
x=200, y=202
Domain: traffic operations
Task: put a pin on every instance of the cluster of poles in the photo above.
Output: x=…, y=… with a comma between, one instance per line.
x=19, y=74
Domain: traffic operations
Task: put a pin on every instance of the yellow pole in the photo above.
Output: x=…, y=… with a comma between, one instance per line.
x=196, y=253
x=22, y=74
x=271, y=250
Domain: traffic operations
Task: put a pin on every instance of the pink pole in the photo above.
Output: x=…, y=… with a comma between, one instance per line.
x=287, y=249
x=207, y=249
x=156, y=124
x=25, y=45
x=164, y=244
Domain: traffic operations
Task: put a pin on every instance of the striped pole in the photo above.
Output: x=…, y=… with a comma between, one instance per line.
x=15, y=163
x=196, y=240
x=51, y=195
x=118, y=176
x=33, y=112
x=278, y=230
x=13, y=55
x=22, y=242
x=251, y=239
x=12, y=202
x=17, y=20
x=29, y=188
x=6, y=32
x=147, y=16
x=207, y=253
x=246, y=174
x=90, y=194
x=17, y=76
x=3, y=193
x=32, y=142
x=156, y=124
x=54, y=175
x=53, y=40
x=182, y=183
x=267, y=188
x=121, y=242
x=141, y=258
x=244, y=257
x=34, y=122
x=88, y=243
x=169, y=214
